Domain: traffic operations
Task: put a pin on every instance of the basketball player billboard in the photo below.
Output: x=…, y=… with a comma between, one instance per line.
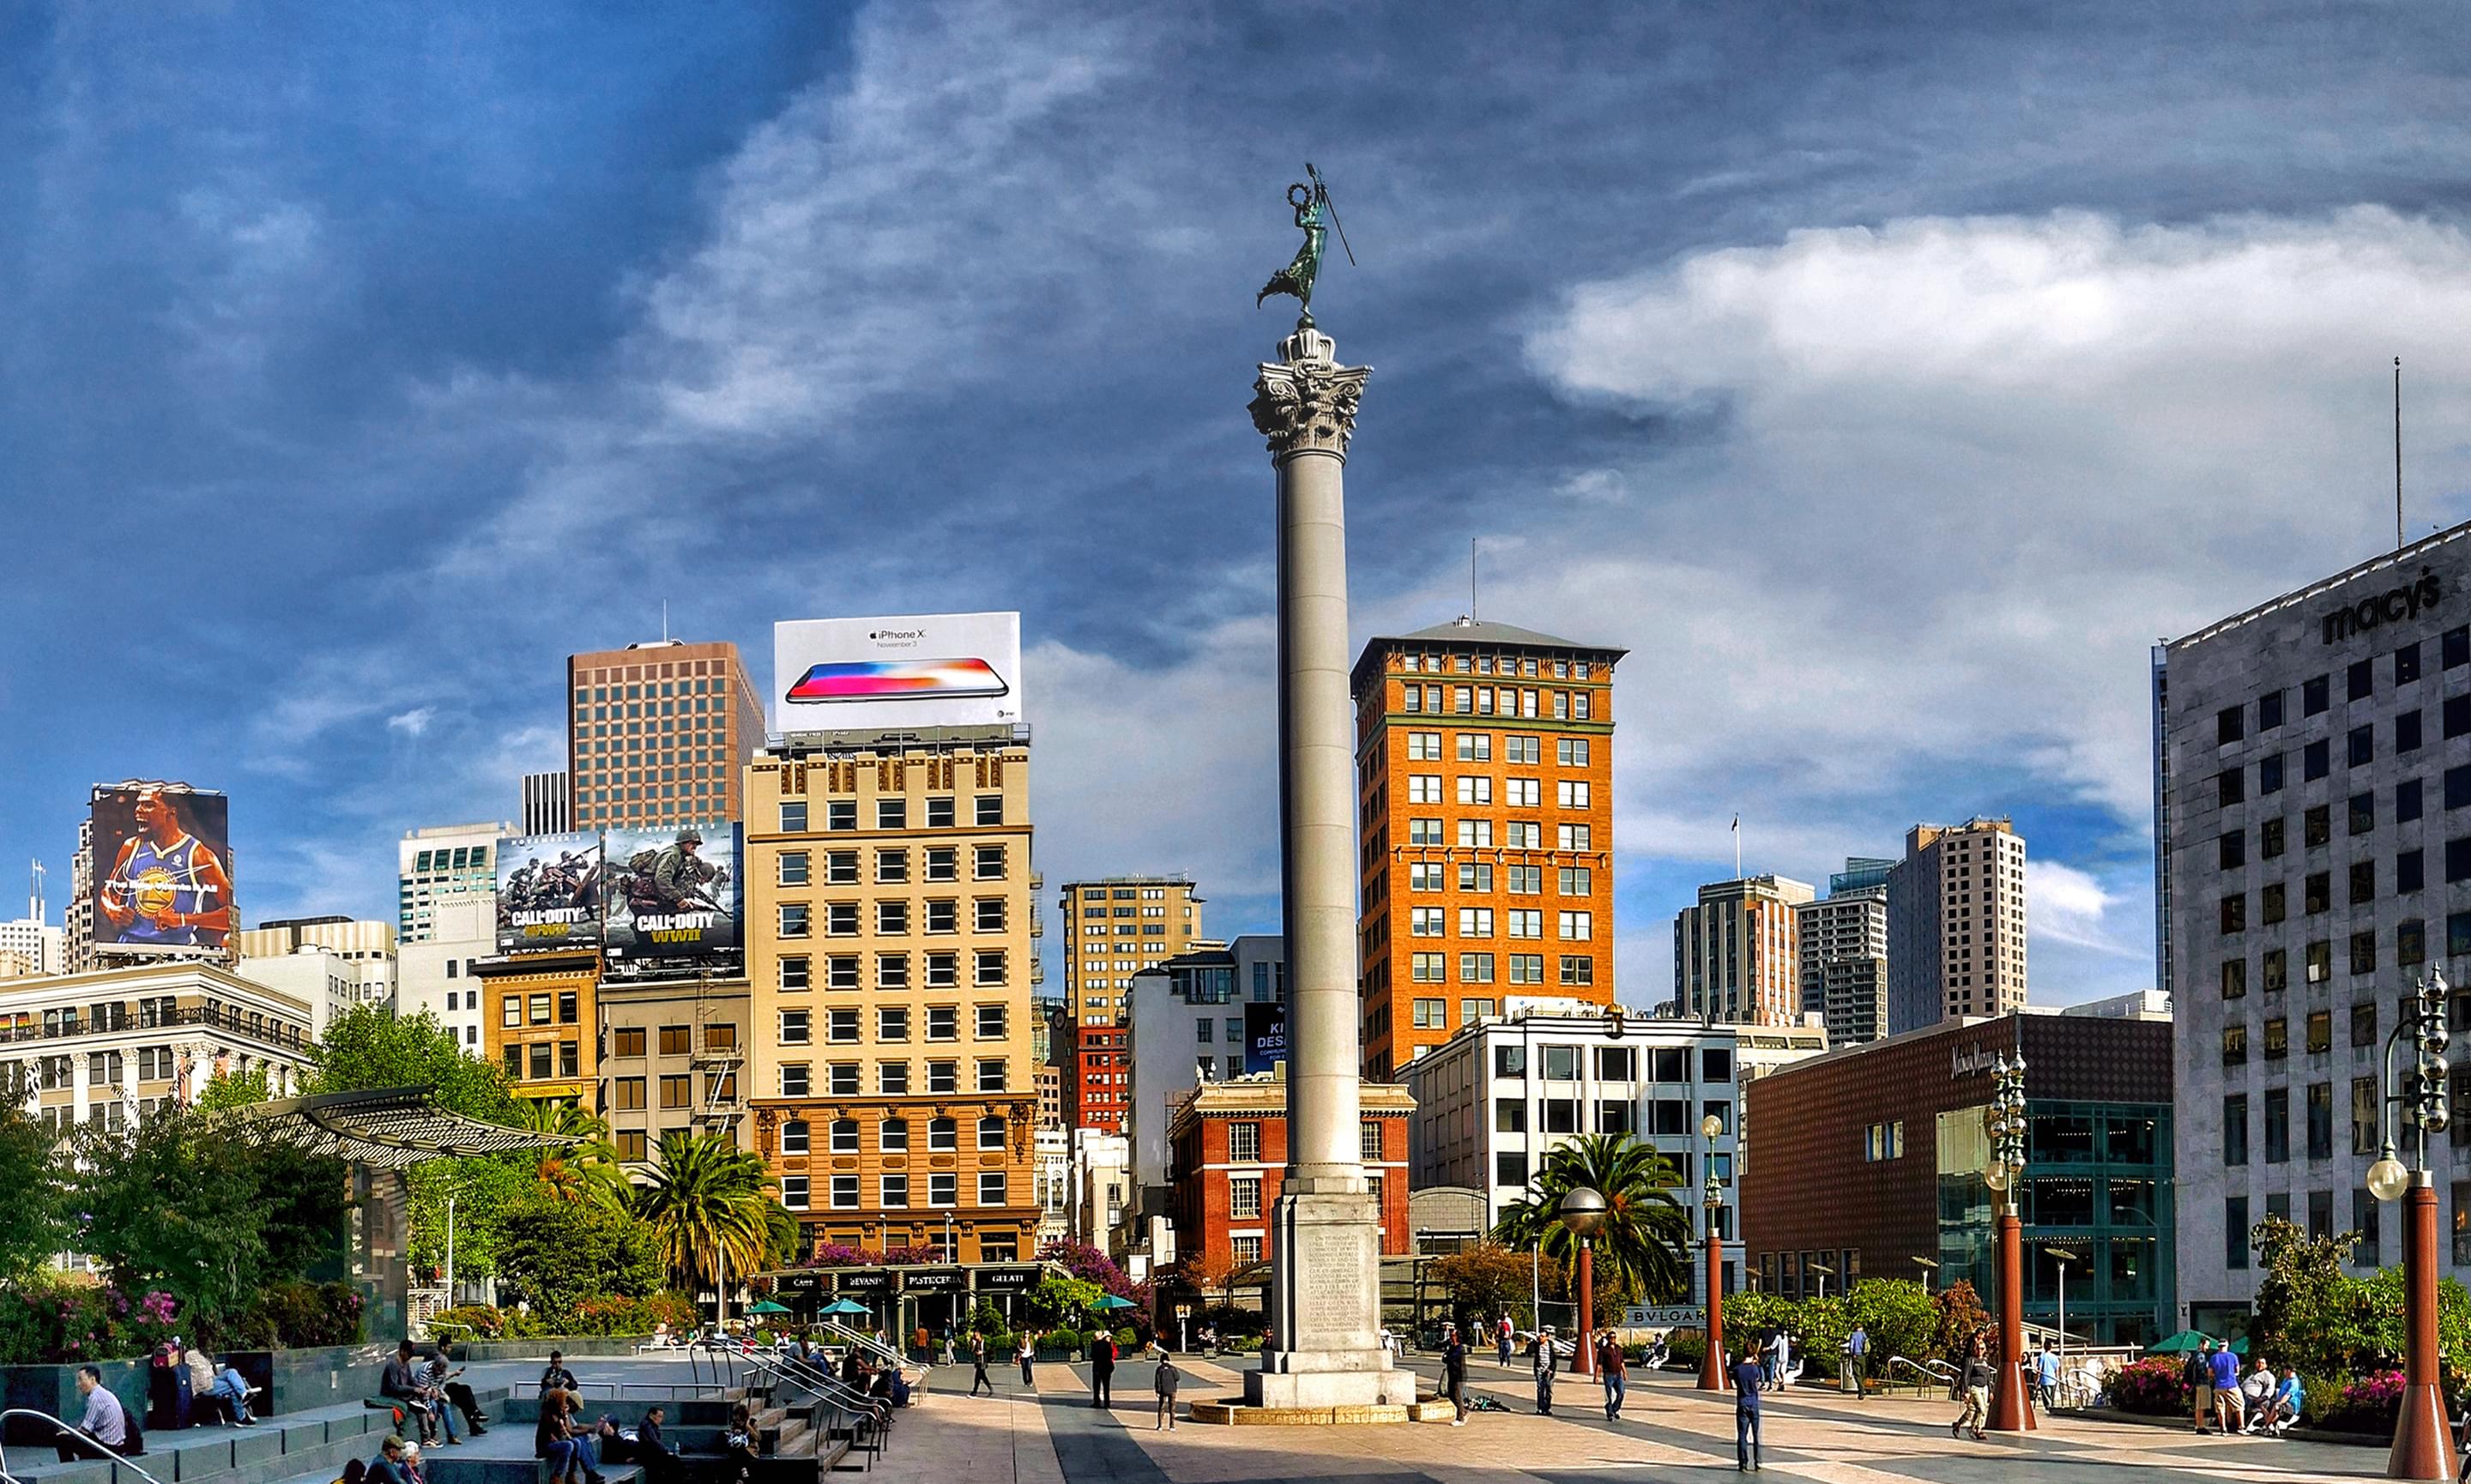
x=162, y=871
x=549, y=891
x=672, y=891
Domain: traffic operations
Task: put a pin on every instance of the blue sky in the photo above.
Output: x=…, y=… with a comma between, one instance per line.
x=1885, y=378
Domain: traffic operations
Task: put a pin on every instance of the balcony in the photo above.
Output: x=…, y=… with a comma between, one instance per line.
x=71, y=1028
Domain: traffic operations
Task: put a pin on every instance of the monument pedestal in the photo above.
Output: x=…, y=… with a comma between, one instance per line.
x=1326, y=1309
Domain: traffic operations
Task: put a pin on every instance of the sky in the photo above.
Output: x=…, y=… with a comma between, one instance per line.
x=1887, y=379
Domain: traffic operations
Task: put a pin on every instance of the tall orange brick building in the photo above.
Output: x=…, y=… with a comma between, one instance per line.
x=1485, y=828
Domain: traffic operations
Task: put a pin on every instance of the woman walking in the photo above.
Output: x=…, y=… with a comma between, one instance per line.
x=1455, y=1358
x=1975, y=1383
x=1029, y=1351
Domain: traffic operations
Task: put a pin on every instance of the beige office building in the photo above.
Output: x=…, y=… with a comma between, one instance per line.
x=658, y=733
x=1116, y=926
x=1956, y=924
x=676, y=1061
x=890, y=918
x=115, y=1044
x=1737, y=952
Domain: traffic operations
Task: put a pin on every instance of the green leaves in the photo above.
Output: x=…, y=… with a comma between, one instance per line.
x=31, y=1227
x=706, y=1200
x=1644, y=1250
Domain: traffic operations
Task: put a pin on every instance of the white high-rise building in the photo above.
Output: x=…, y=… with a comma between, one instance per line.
x=1845, y=954
x=30, y=945
x=443, y=864
x=448, y=909
x=328, y=963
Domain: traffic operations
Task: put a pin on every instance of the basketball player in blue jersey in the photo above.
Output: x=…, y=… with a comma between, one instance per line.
x=167, y=889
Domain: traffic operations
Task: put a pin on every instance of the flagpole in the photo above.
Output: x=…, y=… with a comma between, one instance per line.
x=1738, y=847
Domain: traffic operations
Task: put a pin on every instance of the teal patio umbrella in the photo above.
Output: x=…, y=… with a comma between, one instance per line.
x=845, y=1307
x=2180, y=1344
x=1109, y=1301
x=766, y=1306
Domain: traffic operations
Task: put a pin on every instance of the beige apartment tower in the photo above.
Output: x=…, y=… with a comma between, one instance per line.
x=1737, y=952
x=891, y=914
x=658, y=733
x=1956, y=924
x=1116, y=926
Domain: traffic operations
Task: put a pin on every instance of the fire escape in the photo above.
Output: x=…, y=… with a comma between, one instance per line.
x=715, y=1059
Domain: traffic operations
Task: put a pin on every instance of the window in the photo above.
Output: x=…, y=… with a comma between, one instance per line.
x=2320, y=1121
x=892, y=1078
x=987, y=862
x=2277, y=1125
x=793, y=1084
x=1881, y=1141
x=2320, y=961
x=1431, y=1014
x=1475, y=833
x=676, y=1040
x=2235, y=1233
x=2230, y=726
x=2234, y=978
x=2269, y=773
x=842, y=1079
x=1244, y=1197
x=892, y=867
x=2230, y=786
x=1475, y=968
x=841, y=972
x=2231, y=849
x=991, y=1133
x=1475, y=922
x=1510, y=1115
x=943, y=1189
x=794, y=816
x=1428, y=967
x=1509, y=1168
x=794, y=919
x=1577, y=926
x=893, y=1190
x=2314, y=695
x=2407, y=735
x=1616, y=1064
x=1578, y=969
x=2407, y=801
x=991, y=1074
x=2360, y=681
x=794, y=972
x=2315, y=892
x=794, y=1029
x=2270, y=838
x=1477, y=875
x=989, y=1025
x=939, y=814
x=1472, y=788
x=1573, y=836
x=987, y=810
x=2366, y=1113
x=1510, y=1061
x=2315, y=760
x=2269, y=711
x=892, y=1136
x=2277, y=971
x=841, y=815
x=1427, y=922
x=1570, y=794
x=2277, y=1038
x=2235, y=1129
x=2360, y=748
x=630, y=1094
x=943, y=864
x=2269, y=902
x=2406, y=664
x=1245, y=1141
x=2235, y=1045
x=988, y=964
x=2411, y=870
x=843, y=1025
x=793, y=1191
x=844, y=1135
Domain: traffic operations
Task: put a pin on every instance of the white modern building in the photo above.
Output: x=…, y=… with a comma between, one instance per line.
x=114, y=1044
x=34, y=947
x=1186, y=1025
x=360, y=967
x=1098, y=1185
x=2315, y=763
x=437, y=974
x=1494, y=1099
x=440, y=866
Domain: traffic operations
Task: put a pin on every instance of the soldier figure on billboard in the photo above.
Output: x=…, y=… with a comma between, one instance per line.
x=166, y=887
x=674, y=880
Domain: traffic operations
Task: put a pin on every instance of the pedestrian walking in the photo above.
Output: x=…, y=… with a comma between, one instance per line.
x=1545, y=1371
x=2199, y=1373
x=1029, y=1351
x=1163, y=1383
x=1783, y=1373
x=978, y=1364
x=1975, y=1383
x=1612, y=1367
x=2046, y=1375
x=1454, y=1374
x=1102, y=1371
x=2227, y=1412
x=1503, y=1336
x=1848, y=1369
x=1747, y=1378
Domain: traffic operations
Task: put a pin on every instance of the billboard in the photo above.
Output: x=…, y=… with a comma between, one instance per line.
x=549, y=891
x=1265, y=1036
x=897, y=674
x=672, y=891
x=162, y=871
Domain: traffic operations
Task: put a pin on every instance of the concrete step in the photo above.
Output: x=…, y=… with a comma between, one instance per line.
x=509, y=1470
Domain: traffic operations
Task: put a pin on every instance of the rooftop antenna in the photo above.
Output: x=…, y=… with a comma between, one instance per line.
x=2398, y=453
x=1470, y=576
x=34, y=900
x=665, y=620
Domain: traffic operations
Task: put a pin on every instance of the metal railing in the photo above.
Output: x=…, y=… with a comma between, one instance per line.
x=69, y=1026
x=1925, y=1372
x=869, y=1345
x=870, y=1416
x=118, y=1458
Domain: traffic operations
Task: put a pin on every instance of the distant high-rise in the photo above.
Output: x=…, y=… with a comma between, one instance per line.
x=1114, y=927
x=659, y=733
x=1956, y=924
x=1484, y=787
x=32, y=945
x=547, y=808
x=1737, y=952
x=1844, y=952
x=446, y=922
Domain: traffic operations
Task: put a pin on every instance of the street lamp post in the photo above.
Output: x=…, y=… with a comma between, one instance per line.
x=1711, y=1365
x=2423, y=1444
x=2010, y=1410
x=2063, y=1259
x=1930, y=1271
x=1583, y=1213
x=1824, y=1273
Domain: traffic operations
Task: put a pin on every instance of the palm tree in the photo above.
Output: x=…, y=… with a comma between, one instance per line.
x=707, y=1201
x=1643, y=1248
x=585, y=1172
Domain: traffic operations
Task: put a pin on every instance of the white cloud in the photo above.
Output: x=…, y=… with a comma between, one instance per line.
x=412, y=723
x=2065, y=904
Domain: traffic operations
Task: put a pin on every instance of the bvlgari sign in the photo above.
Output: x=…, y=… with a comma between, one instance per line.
x=2391, y=607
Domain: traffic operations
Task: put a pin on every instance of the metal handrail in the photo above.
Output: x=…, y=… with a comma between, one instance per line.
x=869, y=1344
x=828, y=1388
x=117, y=1457
x=1936, y=1370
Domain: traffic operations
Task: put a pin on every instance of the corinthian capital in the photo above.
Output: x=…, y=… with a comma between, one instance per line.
x=1306, y=401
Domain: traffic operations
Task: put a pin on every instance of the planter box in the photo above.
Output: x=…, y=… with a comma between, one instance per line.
x=288, y=1380
x=53, y=1389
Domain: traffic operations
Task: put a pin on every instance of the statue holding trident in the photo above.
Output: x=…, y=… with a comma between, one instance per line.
x=1314, y=217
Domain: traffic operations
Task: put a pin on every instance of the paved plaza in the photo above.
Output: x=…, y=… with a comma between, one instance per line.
x=1668, y=1432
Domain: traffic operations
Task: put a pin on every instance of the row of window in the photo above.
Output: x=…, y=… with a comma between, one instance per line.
x=1668, y=1117
x=2364, y=1220
x=841, y=1023
x=2317, y=1031
x=511, y=1008
x=840, y=867
x=2316, y=889
x=674, y=1040
x=892, y=813
x=892, y=1192
x=2359, y=684
x=55, y=1073
x=1515, y=792
x=1515, y=835
x=2316, y=823
x=942, y=971
x=2359, y=751
x=2367, y=1108
x=1516, y=749
x=1619, y=1064
x=1520, y=881
x=893, y=917
x=891, y=1136
x=892, y=1078
x=627, y=1093
x=1478, y=969
x=1482, y=665
x=1481, y=701
x=1477, y=922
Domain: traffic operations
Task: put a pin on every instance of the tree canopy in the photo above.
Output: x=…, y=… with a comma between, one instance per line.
x=1643, y=1249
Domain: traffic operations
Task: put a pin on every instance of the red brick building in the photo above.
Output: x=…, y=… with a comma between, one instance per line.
x=1872, y=1156
x=1102, y=1088
x=1228, y=1151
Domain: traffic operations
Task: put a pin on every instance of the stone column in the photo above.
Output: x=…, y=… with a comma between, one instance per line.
x=1325, y=1236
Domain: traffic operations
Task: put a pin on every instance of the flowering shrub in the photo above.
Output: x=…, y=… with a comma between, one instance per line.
x=2153, y=1385
x=2369, y=1404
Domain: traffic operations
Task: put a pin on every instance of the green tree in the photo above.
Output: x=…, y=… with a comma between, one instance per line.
x=225, y=1091
x=705, y=1199
x=169, y=1203
x=370, y=1046
x=557, y=1256
x=31, y=1227
x=1057, y=1299
x=584, y=1173
x=1486, y=1280
x=1897, y=1315
x=1643, y=1249
x=485, y=1191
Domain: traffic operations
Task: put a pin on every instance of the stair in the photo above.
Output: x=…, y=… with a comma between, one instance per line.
x=308, y=1446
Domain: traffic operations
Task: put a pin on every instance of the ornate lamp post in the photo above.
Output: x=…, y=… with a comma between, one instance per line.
x=2423, y=1444
x=2010, y=1410
x=1583, y=1213
x=1711, y=1366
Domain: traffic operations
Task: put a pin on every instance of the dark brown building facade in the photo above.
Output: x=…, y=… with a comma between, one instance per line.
x=1871, y=1158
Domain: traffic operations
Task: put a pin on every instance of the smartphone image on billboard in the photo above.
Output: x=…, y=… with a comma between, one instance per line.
x=872, y=680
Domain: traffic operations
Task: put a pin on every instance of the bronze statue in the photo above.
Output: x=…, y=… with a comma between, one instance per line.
x=1314, y=217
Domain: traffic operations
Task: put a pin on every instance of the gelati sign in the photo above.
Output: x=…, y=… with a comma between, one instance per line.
x=2393, y=606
